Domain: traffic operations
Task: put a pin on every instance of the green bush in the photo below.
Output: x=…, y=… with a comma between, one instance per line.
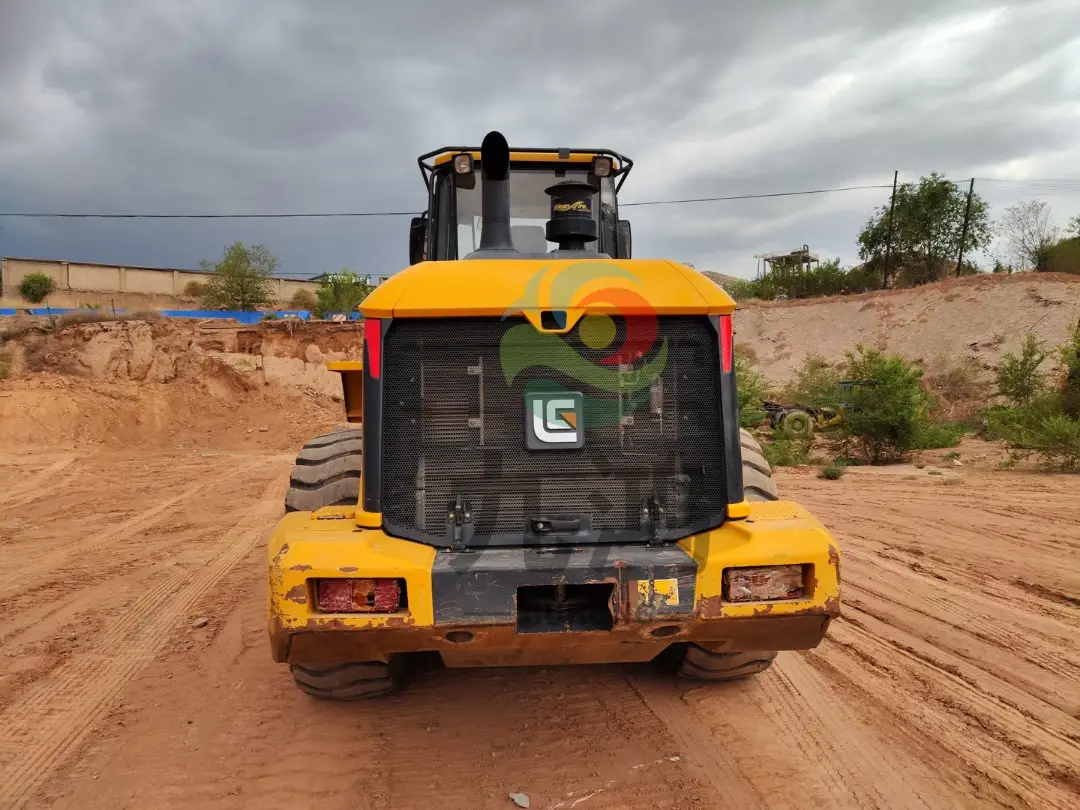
x=933, y=436
x=832, y=472
x=814, y=384
x=1018, y=378
x=787, y=452
x=303, y=299
x=1070, y=358
x=36, y=287
x=752, y=389
x=886, y=418
x=1040, y=429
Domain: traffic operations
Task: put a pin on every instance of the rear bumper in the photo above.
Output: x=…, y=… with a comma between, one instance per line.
x=465, y=605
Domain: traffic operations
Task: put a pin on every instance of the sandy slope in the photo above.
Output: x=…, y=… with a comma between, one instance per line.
x=938, y=325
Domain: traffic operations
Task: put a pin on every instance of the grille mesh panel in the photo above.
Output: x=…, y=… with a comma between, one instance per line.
x=453, y=426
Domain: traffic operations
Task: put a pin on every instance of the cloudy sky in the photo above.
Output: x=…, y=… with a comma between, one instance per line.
x=258, y=106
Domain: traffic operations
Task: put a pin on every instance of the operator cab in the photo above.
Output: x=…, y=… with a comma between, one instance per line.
x=538, y=203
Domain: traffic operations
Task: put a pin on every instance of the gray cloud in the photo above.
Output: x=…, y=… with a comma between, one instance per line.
x=287, y=106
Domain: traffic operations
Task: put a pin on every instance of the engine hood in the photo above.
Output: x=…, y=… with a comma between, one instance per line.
x=497, y=287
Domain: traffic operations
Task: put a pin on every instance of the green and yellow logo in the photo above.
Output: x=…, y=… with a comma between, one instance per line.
x=614, y=376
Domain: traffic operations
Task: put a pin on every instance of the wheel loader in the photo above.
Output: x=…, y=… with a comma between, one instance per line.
x=542, y=462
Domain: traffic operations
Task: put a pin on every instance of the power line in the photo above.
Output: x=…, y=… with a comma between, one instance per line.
x=754, y=196
x=325, y=215
x=41, y=215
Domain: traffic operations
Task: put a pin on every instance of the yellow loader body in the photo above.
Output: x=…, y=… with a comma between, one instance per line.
x=465, y=609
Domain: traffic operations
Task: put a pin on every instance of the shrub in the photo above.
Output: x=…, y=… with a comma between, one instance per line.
x=958, y=382
x=194, y=289
x=787, y=452
x=885, y=418
x=1039, y=428
x=752, y=389
x=341, y=292
x=1018, y=378
x=303, y=299
x=814, y=384
x=933, y=436
x=832, y=472
x=1070, y=358
x=36, y=287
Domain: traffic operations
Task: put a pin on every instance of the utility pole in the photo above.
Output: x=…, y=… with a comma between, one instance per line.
x=964, y=232
x=888, y=239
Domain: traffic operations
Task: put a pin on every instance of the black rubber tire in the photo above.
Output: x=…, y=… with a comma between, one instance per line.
x=327, y=472
x=350, y=681
x=698, y=662
x=702, y=664
x=797, y=425
x=757, y=474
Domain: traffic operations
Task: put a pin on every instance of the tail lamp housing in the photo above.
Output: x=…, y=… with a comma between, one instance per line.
x=360, y=595
x=768, y=583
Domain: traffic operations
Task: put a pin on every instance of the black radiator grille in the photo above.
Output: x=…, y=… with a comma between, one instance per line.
x=453, y=426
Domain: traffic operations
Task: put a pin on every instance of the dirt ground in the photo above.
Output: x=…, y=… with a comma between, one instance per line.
x=136, y=671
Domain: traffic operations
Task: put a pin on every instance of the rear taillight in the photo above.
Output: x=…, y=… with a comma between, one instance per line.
x=764, y=584
x=359, y=595
x=373, y=346
x=727, y=347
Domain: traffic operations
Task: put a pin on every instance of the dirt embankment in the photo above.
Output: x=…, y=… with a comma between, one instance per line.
x=938, y=326
x=175, y=383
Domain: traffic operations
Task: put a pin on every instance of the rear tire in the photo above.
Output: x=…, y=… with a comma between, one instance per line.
x=756, y=472
x=702, y=664
x=349, y=681
x=327, y=472
x=699, y=663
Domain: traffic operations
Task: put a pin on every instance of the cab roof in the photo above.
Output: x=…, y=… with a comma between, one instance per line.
x=620, y=164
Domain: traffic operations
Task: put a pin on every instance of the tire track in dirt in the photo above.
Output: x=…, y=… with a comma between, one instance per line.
x=33, y=485
x=714, y=764
x=53, y=719
x=994, y=741
x=546, y=746
x=47, y=564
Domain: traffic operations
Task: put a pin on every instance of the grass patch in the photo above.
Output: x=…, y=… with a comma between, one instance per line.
x=832, y=472
x=787, y=452
x=934, y=436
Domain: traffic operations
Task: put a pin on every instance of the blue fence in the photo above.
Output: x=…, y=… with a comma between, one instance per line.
x=236, y=315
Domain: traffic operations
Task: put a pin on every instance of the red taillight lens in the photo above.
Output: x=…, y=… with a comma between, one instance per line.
x=373, y=346
x=359, y=595
x=727, y=344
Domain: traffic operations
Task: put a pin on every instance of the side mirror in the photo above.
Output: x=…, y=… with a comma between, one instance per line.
x=623, y=235
x=418, y=232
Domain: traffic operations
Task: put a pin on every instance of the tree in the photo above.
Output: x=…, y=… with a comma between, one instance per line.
x=36, y=287
x=1030, y=234
x=341, y=292
x=303, y=299
x=1073, y=228
x=242, y=280
x=928, y=221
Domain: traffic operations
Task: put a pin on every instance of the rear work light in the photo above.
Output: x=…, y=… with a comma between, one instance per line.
x=360, y=595
x=764, y=584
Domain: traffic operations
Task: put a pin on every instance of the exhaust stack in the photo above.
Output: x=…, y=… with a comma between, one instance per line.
x=495, y=198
